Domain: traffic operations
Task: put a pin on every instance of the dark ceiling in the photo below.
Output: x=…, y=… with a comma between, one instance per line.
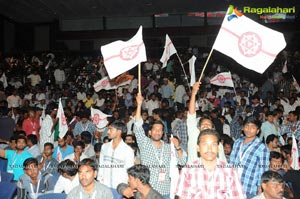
x=31, y=11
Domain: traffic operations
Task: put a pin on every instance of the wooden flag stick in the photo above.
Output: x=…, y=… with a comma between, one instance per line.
x=139, y=77
x=185, y=76
x=205, y=64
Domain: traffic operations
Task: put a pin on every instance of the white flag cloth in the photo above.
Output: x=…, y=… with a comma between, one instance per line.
x=62, y=122
x=103, y=84
x=99, y=118
x=174, y=172
x=168, y=51
x=221, y=154
x=295, y=84
x=250, y=44
x=121, y=56
x=192, y=70
x=222, y=79
x=295, y=155
x=284, y=68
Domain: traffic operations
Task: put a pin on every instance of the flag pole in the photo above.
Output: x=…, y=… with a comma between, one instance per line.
x=205, y=64
x=139, y=77
x=186, y=79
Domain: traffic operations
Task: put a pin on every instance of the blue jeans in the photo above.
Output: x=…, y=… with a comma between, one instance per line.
x=116, y=195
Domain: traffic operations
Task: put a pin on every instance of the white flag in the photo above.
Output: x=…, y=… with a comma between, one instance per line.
x=250, y=44
x=121, y=56
x=103, y=84
x=295, y=84
x=295, y=154
x=284, y=68
x=99, y=118
x=192, y=70
x=168, y=51
x=222, y=79
x=174, y=172
x=221, y=154
x=62, y=122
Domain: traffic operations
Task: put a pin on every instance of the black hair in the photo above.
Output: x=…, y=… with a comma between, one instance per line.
x=276, y=155
x=269, y=113
x=287, y=149
x=68, y=167
x=157, y=122
x=79, y=143
x=49, y=144
x=88, y=162
x=271, y=138
x=228, y=140
x=271, y=175
x=21, y=137
x=208, y=132
x=86, y=137
x=157, y=111
x=294, y=113
x=32, y=138
x=30, y=161
x=119, y=126
x=252, y=120
x=140, y=172
x=206, y=118
x=97, y=147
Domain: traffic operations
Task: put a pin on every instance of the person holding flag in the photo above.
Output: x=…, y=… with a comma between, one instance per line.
x=48, y=124
x=155, y=153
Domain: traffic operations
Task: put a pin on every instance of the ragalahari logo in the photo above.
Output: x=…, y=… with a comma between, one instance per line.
x=233, y=13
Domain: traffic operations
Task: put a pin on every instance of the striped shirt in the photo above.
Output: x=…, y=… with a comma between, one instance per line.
x=197, y=182
x=157, y=159
x=251, y=160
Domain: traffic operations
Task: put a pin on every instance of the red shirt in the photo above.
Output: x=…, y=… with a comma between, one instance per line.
x=31, y=127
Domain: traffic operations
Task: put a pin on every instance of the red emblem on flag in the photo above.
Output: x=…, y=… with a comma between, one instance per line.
x=63, y=119
x=130, y=52
x=250, y=44
x=221, y=78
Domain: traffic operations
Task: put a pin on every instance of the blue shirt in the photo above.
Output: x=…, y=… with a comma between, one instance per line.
x=64, y=153
x=253, y=159
x=15, y=162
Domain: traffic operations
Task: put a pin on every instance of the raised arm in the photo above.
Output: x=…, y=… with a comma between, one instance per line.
x=139, y=101
x=192, y=105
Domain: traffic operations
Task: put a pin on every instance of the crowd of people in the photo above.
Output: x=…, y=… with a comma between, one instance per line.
x=228, y=143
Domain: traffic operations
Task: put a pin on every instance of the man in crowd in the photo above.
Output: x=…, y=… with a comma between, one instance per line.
x=250, y=156
x=78, y=154
x=89, y=187
x=62, y=150
x=16, y=158
x=272, y=185
x=208, y=176
x=33, y=183
x=155, y=153
x=33, y=148
x=138, y=180
x=116, y=157
x=68, y=178
x=46, y=162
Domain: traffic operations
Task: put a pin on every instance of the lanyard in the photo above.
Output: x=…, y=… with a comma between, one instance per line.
x=85, y=128
x=160, y=160
x=14, y=159
x=35, y=195
x=46, y=167
x=241, y=154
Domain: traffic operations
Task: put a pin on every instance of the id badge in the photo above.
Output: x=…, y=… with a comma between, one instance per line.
x=161, y=176
x=33, y=132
